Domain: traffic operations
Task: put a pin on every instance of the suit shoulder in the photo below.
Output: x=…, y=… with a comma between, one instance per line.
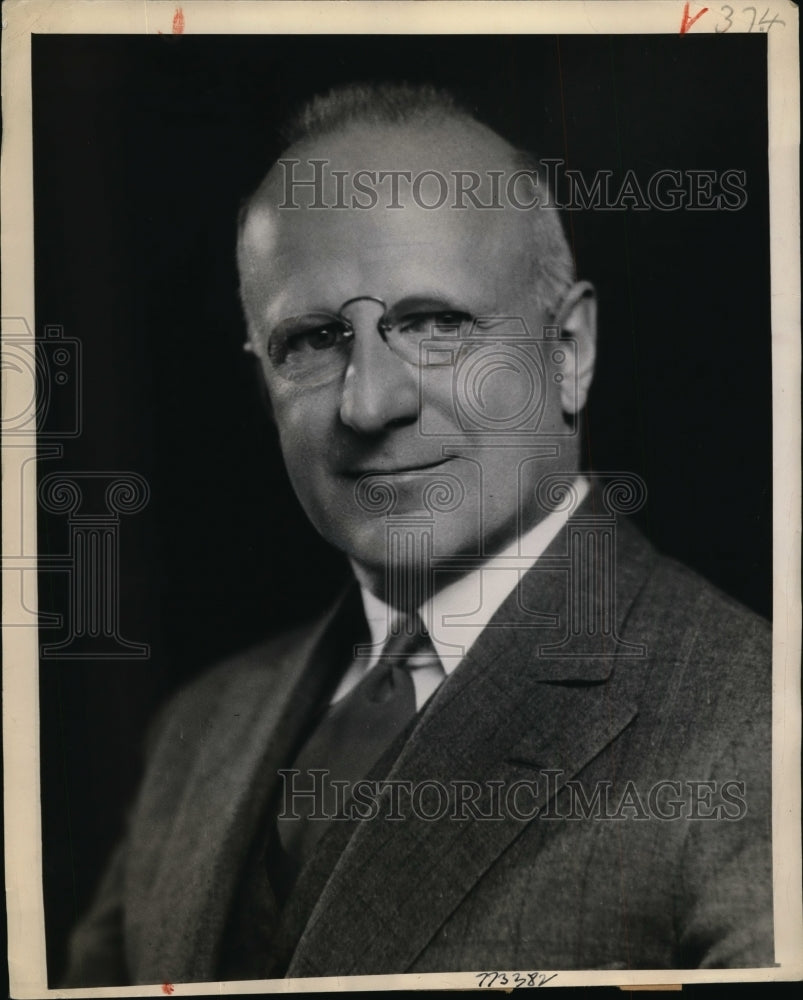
x=718, y=650
x=241, y=678
x=671, y=599
x=700, y=604
x=254, y=665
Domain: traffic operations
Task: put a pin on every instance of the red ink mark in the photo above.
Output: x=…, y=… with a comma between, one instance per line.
x=687, y=21
x=168, y=989
x=178, y=21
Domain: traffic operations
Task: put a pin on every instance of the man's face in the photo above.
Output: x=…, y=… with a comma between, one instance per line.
x=383, y=425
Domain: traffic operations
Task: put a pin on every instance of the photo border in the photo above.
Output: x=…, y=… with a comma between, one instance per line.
x=21, y=19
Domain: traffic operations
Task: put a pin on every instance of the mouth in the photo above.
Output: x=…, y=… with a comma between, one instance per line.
x=394, y=470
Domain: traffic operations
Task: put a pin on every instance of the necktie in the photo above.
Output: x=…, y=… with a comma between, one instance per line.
x=350, y=738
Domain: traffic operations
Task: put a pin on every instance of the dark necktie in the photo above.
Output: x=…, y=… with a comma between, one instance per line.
x=352, y=735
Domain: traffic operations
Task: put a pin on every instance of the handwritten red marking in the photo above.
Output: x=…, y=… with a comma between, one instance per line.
x=168, y=989
x=178, y=21
x=687, y=21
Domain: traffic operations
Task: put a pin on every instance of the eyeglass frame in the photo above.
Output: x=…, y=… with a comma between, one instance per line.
x=383, y=326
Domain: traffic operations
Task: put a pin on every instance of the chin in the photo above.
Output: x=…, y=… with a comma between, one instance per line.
x=379, y=560
x=366, y=543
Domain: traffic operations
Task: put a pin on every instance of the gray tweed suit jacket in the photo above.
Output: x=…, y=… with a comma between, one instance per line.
x=626, y=880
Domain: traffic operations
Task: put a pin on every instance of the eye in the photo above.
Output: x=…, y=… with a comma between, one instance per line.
x=319, y=338
x=304, y=335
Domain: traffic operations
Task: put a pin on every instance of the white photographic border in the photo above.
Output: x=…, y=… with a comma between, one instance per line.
x=22, y=18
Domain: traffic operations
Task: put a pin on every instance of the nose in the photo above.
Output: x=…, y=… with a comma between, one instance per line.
x=380, y=389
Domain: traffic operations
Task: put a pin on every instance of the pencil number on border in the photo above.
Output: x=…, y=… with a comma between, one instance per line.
x=763, y=24
x=513, y=980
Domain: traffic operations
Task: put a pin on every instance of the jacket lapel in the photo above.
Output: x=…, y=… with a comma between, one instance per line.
x=184, y=877
x=506, y=713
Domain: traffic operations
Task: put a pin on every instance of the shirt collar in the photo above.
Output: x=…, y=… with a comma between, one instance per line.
x=457, y=614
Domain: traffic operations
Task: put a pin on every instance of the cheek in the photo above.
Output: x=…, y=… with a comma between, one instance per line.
x=487, y=389
x=437, y=412
x=306, y=424
x=300, y=435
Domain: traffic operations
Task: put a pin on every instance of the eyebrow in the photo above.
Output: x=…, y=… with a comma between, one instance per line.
x=428, y=300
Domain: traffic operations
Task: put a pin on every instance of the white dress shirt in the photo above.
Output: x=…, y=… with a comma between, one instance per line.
x=457, y=614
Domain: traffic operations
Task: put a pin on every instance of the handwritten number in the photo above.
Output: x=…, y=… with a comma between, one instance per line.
x=774, y=20
x=728, y=16
x=727, y=12
x=534, y=979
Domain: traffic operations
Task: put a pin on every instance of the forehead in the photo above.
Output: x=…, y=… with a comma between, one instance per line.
x=317, y=257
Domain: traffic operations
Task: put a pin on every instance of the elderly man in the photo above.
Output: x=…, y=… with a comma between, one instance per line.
x=523, y=740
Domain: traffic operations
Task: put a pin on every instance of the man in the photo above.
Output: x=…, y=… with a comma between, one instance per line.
x=524, y=740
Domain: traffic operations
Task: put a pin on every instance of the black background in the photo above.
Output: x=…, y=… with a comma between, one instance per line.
x=143, y=150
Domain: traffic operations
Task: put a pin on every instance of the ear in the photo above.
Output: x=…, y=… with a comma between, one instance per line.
x=577, y=318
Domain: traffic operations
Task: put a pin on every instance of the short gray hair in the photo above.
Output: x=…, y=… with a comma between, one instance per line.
x=370, y=104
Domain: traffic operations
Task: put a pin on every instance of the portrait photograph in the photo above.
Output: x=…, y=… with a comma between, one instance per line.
x=401, y=496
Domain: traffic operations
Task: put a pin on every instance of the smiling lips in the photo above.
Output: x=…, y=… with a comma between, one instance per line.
x=395, y=470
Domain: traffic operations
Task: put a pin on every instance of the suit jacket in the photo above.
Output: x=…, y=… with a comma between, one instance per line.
x=625, y=880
